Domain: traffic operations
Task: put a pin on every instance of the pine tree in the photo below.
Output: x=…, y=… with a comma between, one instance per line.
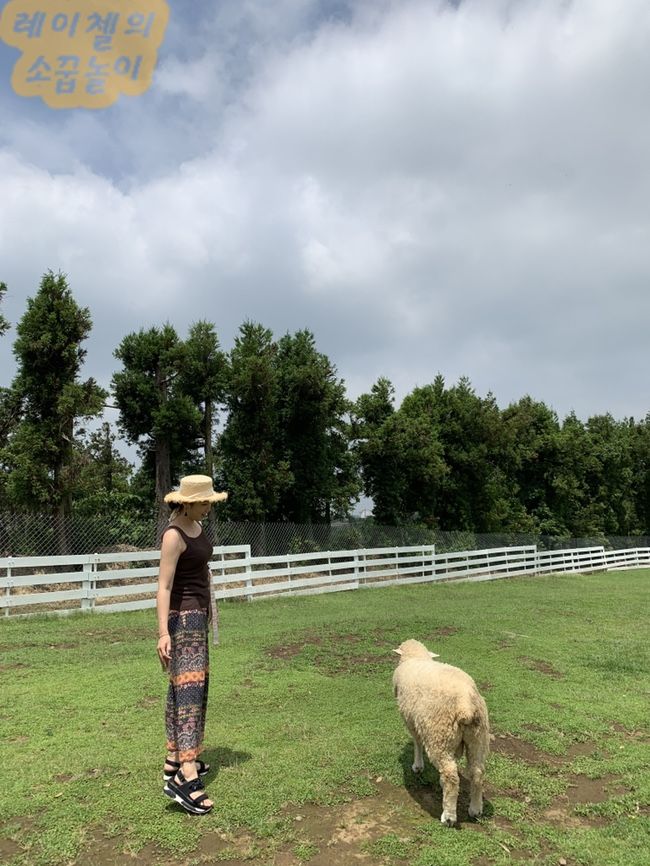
x=313, y=433
x=51, y=397
x=255, y=468
x=4, y=324
x=203, y=378
x=155, y=412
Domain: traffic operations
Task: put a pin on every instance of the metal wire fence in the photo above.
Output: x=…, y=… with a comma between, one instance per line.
x=28, y=534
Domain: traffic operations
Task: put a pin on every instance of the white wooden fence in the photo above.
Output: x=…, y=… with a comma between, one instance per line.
x=101, y=582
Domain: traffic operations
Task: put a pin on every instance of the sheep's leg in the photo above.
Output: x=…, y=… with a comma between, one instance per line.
x=418, y=760
x=477, y=748
x=450, y=785
x=475, y=792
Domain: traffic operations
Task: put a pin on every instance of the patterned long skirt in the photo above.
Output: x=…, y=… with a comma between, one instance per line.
x=187, y=697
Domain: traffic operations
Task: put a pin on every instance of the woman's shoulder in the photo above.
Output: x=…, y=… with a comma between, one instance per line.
x=174, y=538
x=185, y=535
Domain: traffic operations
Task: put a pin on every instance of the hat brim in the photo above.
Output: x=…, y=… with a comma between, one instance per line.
x=176, y=496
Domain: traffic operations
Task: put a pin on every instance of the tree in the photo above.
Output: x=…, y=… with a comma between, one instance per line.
x=9, y=405
x=572, y=507
x=472, y=493
x=313, y=433
x=533, y=443
x=155, y=412
x=399, y=455
x=254, y=469
x=203, y=378
x=4, y=324
x=101, y=475
x=442, y=458
x=51, y=397
x=371, y=410
x=641, y=469
x=610, y=477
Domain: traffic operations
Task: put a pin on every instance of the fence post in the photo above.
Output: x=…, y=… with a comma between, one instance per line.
x=249, y=578
x=88, y=596
x=8, y=589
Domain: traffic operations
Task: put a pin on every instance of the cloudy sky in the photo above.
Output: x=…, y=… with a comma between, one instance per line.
x=429, y=186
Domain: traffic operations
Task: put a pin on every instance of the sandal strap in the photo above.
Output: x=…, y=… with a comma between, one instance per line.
x=195, y=785
x=200, y=799
x=201, y=766
x=186, y=787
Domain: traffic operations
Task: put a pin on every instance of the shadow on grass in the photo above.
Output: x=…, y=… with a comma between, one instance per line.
x=425, y=789
x=221, y=757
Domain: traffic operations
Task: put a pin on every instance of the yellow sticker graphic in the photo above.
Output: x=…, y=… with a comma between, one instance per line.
x=84, y=53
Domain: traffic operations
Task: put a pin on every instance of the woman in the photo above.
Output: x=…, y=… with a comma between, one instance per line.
x=184, y=605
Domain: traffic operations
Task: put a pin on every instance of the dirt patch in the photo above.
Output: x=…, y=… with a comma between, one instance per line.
x=584, y=790
x=580, y=791
x=351, y=663
x=444, y=631
x=148, y=701
x=341, y=835
x=105, y=851
x=543, y=854
x=14, y=666
x=542, y=666
x=291, y=650
x=634, y=735
x=10, y=832
x=580, y=750
x=334, y=658
x=226, y=847
x=8, y=849
x=513, y=747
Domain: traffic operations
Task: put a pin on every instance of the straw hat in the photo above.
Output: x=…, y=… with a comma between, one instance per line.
x=195, y=488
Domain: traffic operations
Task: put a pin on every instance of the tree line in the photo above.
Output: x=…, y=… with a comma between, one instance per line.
x=271, y=422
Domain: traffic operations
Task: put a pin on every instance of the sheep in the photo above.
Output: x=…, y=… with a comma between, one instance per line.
x=444, y=713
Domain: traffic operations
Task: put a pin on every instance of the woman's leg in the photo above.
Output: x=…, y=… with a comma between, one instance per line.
x=188, y=689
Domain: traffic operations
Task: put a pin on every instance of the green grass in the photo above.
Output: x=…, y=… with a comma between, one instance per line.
x=301, y=712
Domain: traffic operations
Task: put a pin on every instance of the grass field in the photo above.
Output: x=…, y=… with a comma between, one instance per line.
x=311, y=763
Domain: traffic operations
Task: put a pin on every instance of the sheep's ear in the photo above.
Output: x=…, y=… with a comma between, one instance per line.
x=398, y=651
x=434, y=655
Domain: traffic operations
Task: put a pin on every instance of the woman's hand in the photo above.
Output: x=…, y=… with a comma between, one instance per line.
x=164, y=650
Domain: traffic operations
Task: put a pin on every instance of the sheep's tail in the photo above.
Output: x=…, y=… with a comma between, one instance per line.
x=475, y=728
x=469, y=714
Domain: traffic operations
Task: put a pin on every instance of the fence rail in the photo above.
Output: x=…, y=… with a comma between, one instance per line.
x=105, y=582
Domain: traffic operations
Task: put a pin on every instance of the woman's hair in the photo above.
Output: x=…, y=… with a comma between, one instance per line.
x=174, y=508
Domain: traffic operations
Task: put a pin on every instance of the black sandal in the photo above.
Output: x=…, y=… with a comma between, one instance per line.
x=181, y=792
x=201, y=768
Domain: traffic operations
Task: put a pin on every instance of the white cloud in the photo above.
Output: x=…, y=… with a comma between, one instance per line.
x=425, y=188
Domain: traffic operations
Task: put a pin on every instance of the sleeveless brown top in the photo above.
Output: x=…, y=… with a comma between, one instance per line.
x=191, y=587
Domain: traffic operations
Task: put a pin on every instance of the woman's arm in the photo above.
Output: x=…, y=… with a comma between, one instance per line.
x=172, y=547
